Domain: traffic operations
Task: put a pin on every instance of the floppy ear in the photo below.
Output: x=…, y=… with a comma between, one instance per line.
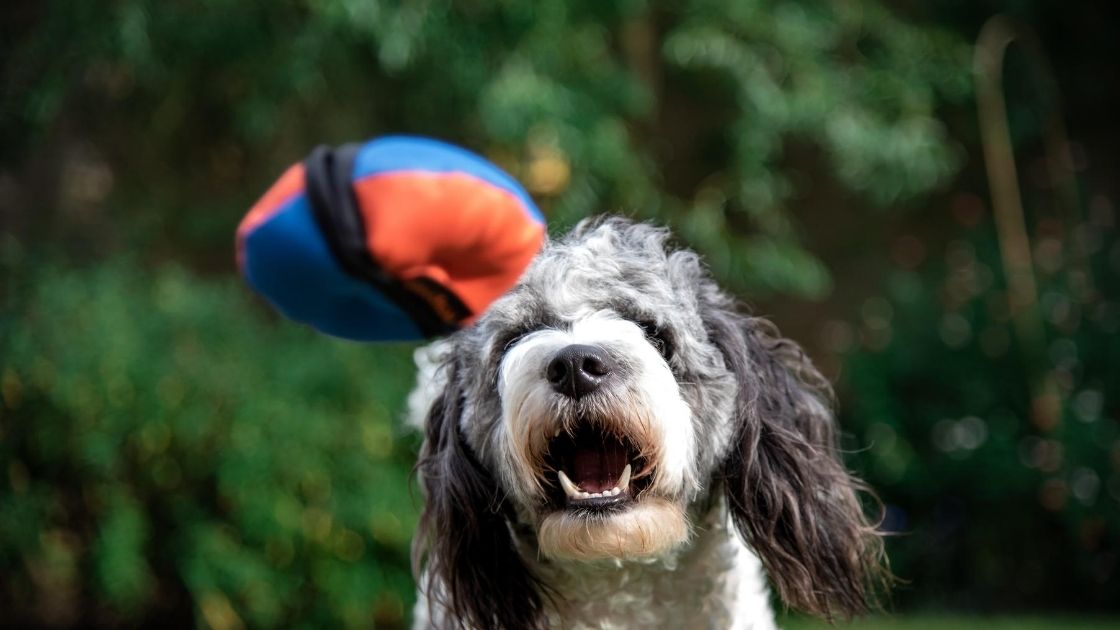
x=790, y=497
x=473, y=569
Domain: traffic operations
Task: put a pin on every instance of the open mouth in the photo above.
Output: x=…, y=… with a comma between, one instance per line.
x=595, y=468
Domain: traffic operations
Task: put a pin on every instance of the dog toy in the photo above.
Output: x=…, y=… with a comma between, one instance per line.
x=399, y=238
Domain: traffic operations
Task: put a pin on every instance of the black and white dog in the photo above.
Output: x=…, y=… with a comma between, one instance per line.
x=614, y=445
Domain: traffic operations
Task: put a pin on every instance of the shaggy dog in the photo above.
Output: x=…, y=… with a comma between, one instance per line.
x=614, y=445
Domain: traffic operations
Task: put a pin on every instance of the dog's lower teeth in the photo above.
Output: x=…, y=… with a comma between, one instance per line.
x=573, y=491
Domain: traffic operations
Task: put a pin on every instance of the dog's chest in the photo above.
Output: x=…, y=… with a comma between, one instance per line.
x=718, y=583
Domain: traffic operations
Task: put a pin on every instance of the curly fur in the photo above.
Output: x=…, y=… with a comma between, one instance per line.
x=734, y=426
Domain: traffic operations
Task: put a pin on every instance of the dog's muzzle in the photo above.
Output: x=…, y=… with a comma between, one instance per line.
x=594, y=460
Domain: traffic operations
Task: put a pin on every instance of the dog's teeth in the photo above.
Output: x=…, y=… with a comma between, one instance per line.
x=573, y=491
x=570, y=488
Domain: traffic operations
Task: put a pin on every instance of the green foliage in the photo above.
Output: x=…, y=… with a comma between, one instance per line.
x=996, y=503
x=850, y=76
x=675, y=111
x=162, y=440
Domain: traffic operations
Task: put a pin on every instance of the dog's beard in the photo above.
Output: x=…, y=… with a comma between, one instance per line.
x=650, y=527
x=567, y=456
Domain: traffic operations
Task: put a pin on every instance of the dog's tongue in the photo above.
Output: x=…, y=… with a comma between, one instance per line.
x=597, y=463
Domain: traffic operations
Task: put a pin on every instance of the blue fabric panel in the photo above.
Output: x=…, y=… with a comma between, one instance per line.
x=288, y=261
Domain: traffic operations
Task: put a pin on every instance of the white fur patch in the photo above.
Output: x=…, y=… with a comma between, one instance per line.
x=430, y=381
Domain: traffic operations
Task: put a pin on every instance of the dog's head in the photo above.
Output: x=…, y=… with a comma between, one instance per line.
x=602, y=404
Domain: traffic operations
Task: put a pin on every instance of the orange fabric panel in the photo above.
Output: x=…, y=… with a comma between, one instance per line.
x=289, y=185
x=458, y=230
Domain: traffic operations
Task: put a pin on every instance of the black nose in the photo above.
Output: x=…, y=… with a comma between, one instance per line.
x=578, y=370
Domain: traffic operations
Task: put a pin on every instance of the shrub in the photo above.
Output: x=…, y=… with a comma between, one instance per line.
x=1000, y=504
x=168, y=451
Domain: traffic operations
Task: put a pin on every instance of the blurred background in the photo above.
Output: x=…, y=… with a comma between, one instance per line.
x=929, y=210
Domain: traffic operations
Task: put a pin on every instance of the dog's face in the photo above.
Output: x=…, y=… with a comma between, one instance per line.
x=600, y=404
x=603, y=402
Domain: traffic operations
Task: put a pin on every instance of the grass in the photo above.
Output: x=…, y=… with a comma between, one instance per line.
x=954, y=622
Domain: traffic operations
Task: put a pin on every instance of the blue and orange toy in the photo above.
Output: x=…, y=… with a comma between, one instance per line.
x=398, y=238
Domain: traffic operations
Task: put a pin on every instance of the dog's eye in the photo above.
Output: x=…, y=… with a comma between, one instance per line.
x=659, y=337
x=509, y=340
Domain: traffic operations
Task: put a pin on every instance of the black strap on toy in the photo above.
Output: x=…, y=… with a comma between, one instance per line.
x=432, y=307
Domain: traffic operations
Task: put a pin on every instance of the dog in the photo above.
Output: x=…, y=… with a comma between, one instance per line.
x=614, y=444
